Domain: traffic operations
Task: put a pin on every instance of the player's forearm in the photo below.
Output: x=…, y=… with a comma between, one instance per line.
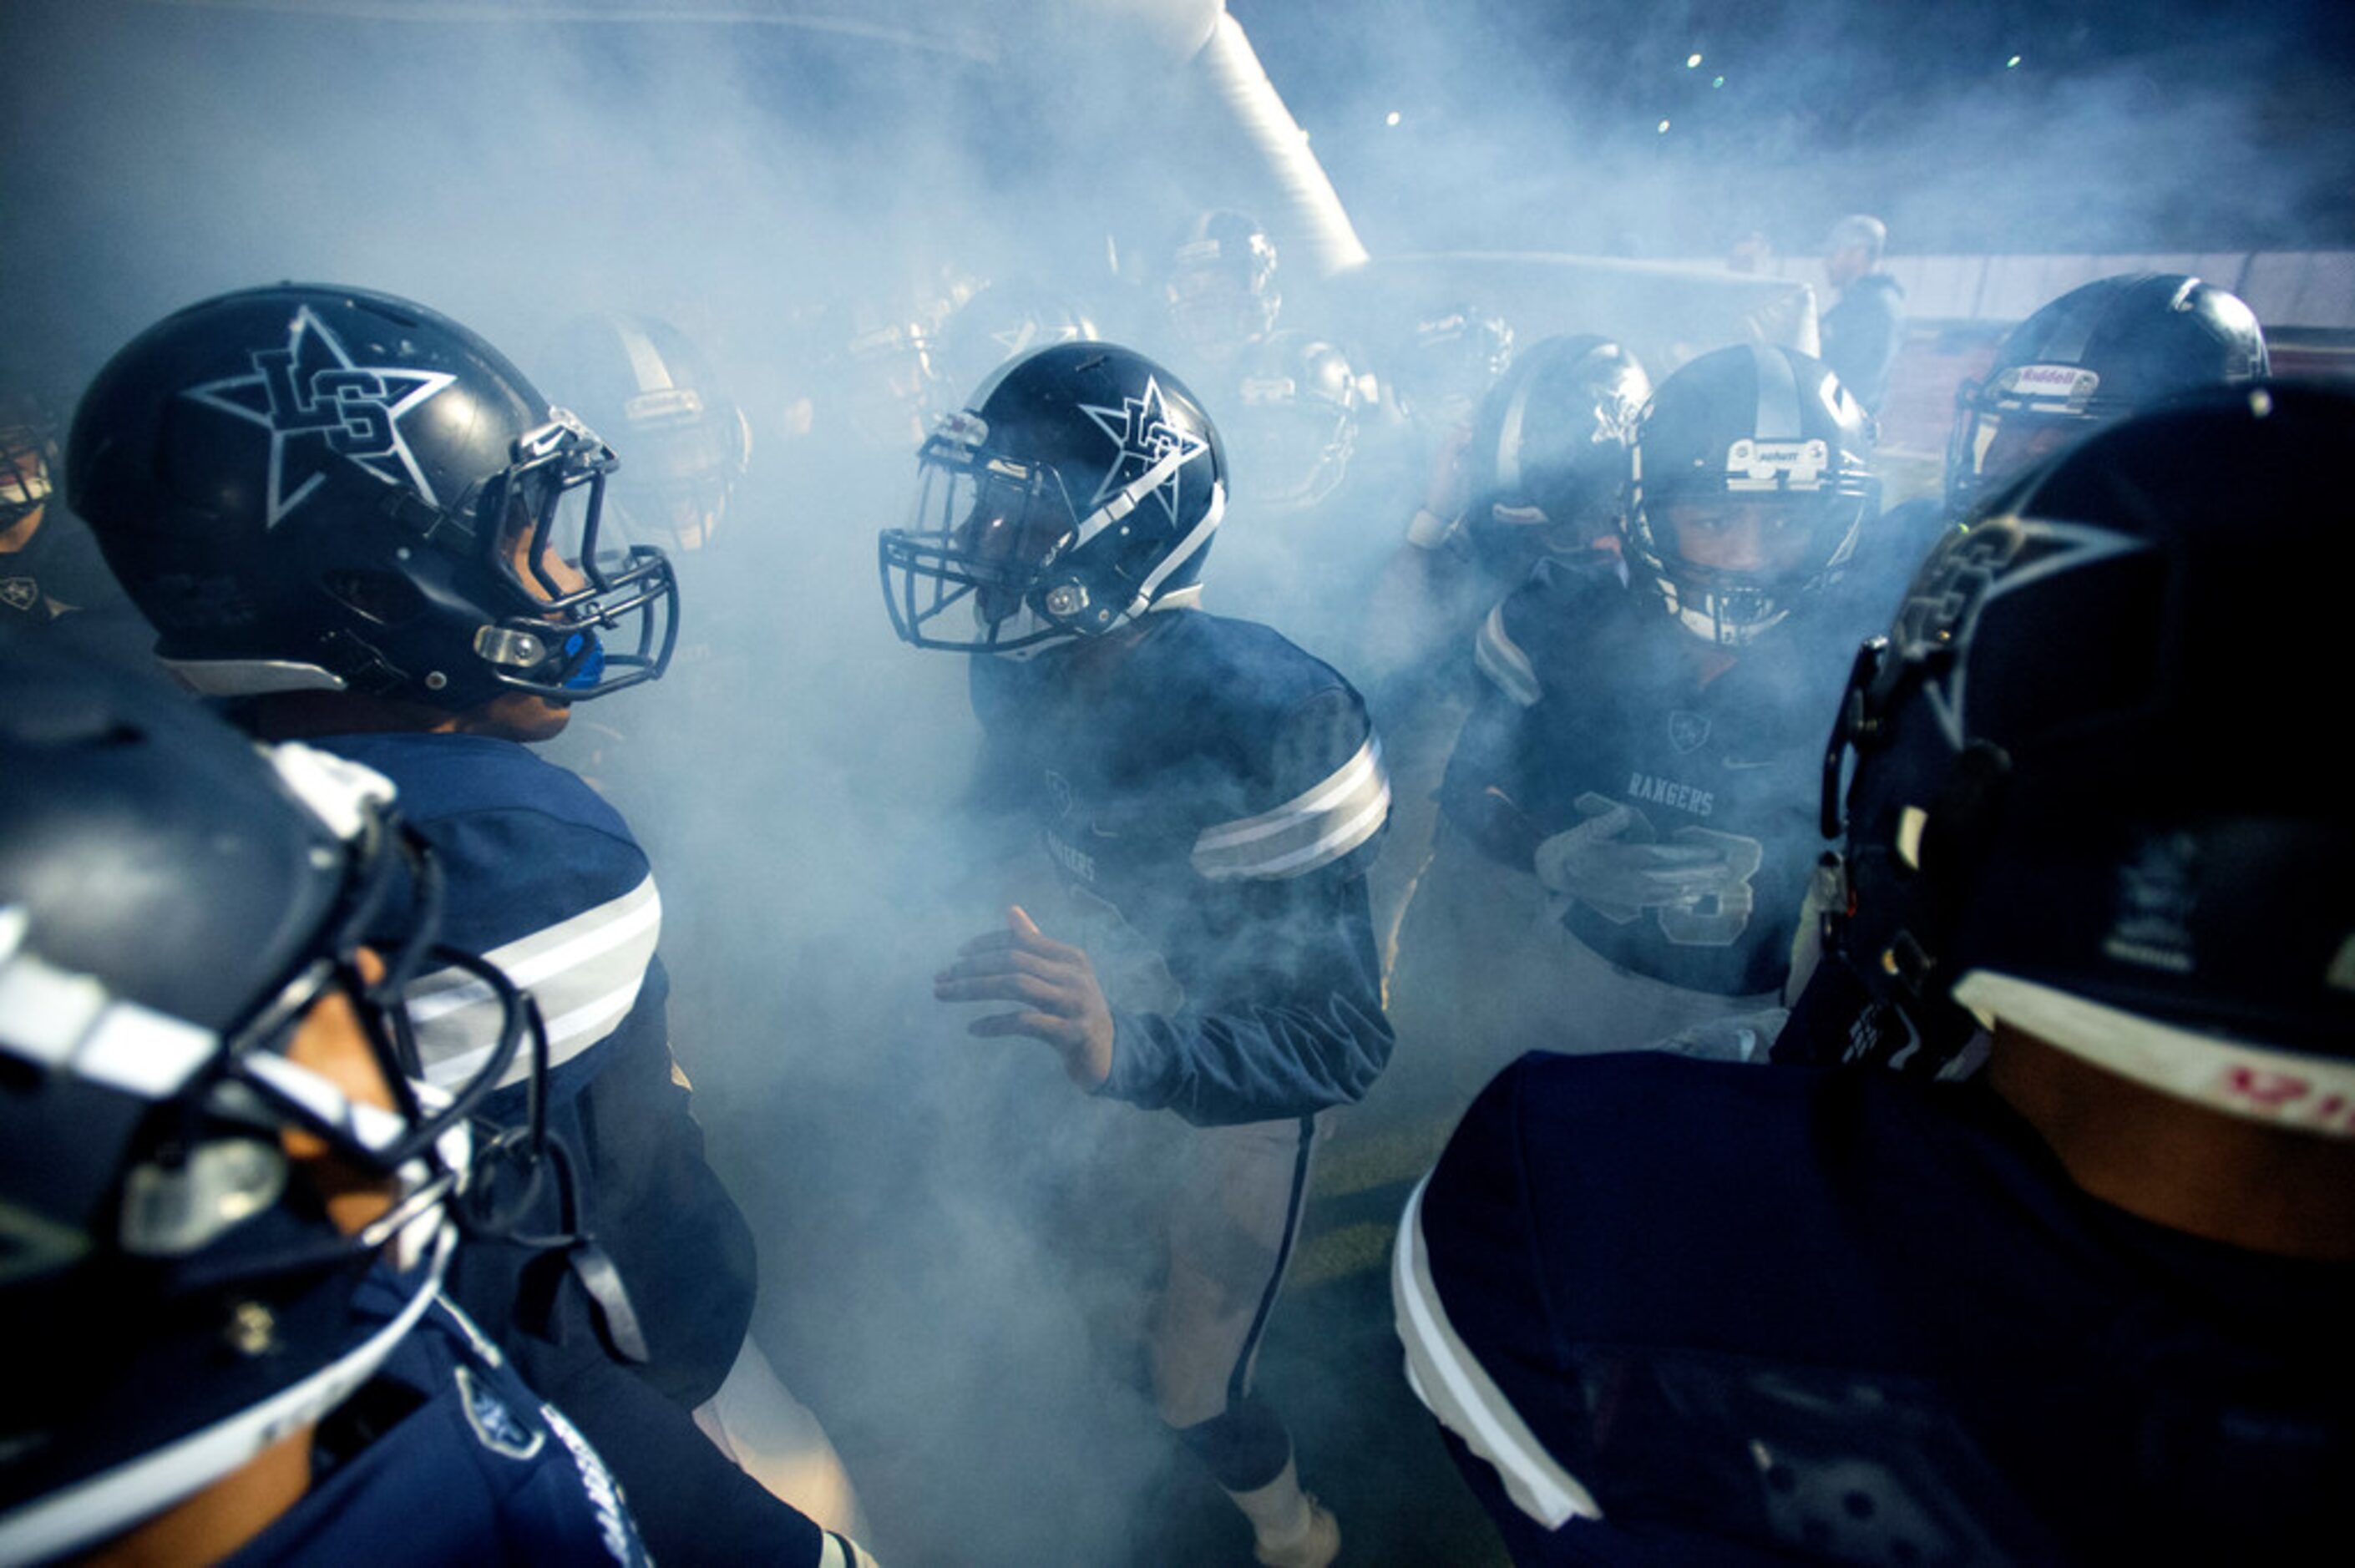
x=1220, y=1067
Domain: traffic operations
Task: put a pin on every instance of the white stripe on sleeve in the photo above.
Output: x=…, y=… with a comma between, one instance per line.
x=1452, y=1385
x=1314, y=828
x=585, y=971
x=1502, y=660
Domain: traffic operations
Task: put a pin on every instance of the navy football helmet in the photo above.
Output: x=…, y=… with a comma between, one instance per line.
x=1221, y=283
x=2051, y=810
x=28, y=459
x=684, y=444
x=1079, y=490
x=174, y=901
x=1296, y=427
x=2100, y=352
x=1750, y=490
x=1449, y=360
x=313, y=487
x=1549, y=455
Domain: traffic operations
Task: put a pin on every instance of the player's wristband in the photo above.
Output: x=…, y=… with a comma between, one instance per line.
x=1427, y=530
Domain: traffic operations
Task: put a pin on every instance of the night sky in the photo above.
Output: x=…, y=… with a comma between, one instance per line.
x=2158, y=125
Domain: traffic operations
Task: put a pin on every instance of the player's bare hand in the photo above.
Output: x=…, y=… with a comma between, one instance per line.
x=1051, y=983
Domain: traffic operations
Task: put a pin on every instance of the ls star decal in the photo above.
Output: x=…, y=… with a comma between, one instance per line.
x=320, y=405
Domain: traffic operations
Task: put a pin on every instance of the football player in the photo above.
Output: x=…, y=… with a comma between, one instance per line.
x=51, y=579
x=1221, y=287
x=640, y=380
x=226, y=1211
x=2089, y=1308
x=1542, y=471
x=1629, y=812
x=1211, y=796
x=360, y=524
x=2109, y=348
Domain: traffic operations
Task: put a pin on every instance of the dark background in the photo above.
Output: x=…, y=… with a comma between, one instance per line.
x=2158, y=125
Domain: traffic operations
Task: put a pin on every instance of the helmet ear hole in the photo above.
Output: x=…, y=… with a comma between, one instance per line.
x=380, y=598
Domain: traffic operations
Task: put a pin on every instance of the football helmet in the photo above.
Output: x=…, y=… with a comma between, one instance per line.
x=1547, y=462
x=2112, y=347
x=1296, y=423
x=1221, y=285
x=1749, y=490
x=313, y=487
x=1449, y=363
x=887, y=388
x=2082, y=794
x=28, y=459
x=1079, y=488
x=174, y=901
x=684, y=444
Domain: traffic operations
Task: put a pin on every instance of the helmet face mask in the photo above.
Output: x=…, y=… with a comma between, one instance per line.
x=28, y=464
x=1221, y=286
x=1297, y=427
x=1082, y=490
x=983, y=536
x=552, y=546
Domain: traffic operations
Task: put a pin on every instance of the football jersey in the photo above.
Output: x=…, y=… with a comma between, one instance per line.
x=1593, y=716
x=543, y=879
x=1220, y=793
x=60, y=583
x=446, y=1456
x=1687, y=1312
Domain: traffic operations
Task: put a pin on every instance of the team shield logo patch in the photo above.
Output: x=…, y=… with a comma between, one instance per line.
x=321, y=407
x=19, y=593
x=1687, y=732
x=496, y=1427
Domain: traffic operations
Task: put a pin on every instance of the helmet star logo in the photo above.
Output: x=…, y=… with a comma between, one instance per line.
x=1141, y=428
x=320, y=405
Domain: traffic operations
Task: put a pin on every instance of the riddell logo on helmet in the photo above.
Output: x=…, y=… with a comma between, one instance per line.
x=1752, y=464
x=2048, y=383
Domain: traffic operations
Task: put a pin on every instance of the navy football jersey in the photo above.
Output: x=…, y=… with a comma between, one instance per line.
x=446, y=1456
x=1594, y=718
x=1220, y=793
x=544, y=878
x=1692, y=1313
x=60, y=583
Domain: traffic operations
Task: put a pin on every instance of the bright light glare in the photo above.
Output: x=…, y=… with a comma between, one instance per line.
x=1692, y=62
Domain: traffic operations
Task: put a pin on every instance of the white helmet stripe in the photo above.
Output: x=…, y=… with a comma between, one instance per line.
x=1778, y=396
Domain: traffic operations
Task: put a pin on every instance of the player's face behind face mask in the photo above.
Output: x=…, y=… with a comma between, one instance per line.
x=1007, y=533
x=24, y=486
x=2005, y=445
x=1766, y=539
